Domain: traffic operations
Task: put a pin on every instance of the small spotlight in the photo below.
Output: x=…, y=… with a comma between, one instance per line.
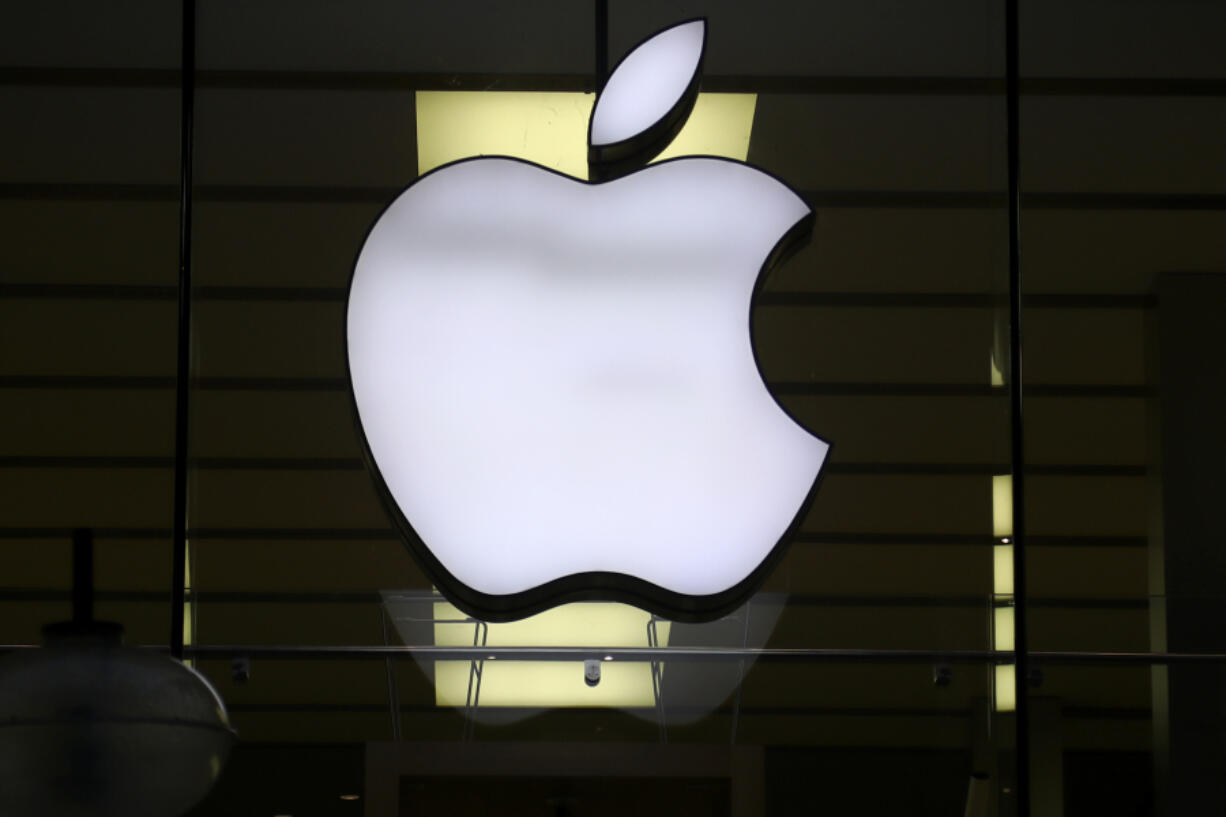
x=351, y=797
x=1006, y=540
x=491, y=658
x=608, y=658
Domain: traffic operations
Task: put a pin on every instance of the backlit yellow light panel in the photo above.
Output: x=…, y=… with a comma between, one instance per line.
x=548, y=684
x=551, y=128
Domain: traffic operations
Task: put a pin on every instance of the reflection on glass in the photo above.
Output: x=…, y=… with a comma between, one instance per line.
x=547, y=684
x=505, y=691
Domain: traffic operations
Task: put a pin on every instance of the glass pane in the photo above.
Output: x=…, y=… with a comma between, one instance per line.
x=89, y=171
x=1122, y=217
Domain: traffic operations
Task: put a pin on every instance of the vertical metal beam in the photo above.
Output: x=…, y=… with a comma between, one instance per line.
x=183, y=360
x=602, y=44
x=1017, y=429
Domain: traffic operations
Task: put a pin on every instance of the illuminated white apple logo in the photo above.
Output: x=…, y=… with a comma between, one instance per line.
x=555, y=378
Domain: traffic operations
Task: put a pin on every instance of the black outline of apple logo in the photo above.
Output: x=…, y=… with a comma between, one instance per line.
x=606, y=163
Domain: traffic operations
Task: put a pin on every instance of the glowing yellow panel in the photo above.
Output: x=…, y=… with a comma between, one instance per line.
x=1002, y=570
x=551, y=128
x=547, y=128
x=1006, y=689
x=550, y=683
x=720, y=125
x=545, y=684
x=1002, y=506
x=1002, y=629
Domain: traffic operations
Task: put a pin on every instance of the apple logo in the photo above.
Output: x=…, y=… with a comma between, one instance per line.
x=555, y=379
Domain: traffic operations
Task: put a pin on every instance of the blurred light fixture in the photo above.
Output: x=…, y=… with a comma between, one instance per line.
x=91, y=728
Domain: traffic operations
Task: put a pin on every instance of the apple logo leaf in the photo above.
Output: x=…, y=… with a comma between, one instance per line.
x=646, y=100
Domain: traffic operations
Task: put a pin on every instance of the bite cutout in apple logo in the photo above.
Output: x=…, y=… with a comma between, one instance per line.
x=555, y=378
